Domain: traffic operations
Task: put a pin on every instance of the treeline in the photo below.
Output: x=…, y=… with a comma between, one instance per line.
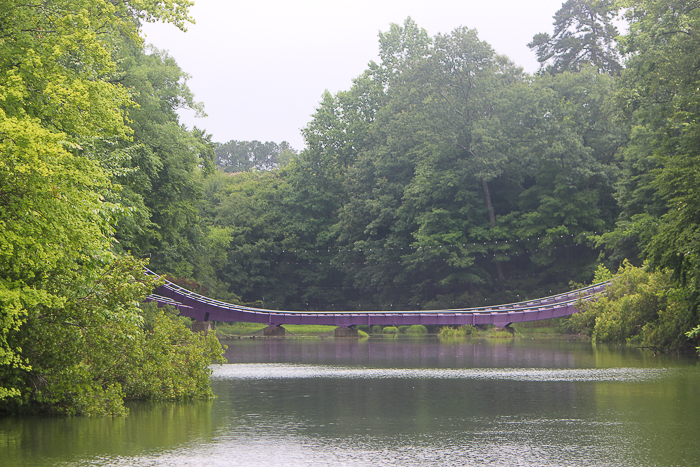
x=445, y=177
x=243, y=156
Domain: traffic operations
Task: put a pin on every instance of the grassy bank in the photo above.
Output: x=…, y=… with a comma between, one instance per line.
x=550, y=328
x=554, y=328
x=472, y=332
x=244, y=329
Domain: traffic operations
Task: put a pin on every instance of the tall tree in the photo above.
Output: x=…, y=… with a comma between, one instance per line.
x=569, y=147
x=54, y=95
x=160, y=182
x=470, y=81
x=660, y=95
x=584, y=33
x=439, y=109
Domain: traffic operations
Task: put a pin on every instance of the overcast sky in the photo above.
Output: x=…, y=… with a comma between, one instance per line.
x=260, y=67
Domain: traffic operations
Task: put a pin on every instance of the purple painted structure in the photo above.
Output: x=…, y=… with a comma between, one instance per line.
x=203, y=308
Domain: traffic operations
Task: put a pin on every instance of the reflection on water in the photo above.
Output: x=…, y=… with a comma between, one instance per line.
x=295, y=371
x=393, y=402
x=47, y=440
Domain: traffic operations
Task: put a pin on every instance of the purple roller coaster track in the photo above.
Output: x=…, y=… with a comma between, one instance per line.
x=202, y=308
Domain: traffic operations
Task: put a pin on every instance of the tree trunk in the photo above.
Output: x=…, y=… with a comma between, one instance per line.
x=492, y=218
x=489, y=206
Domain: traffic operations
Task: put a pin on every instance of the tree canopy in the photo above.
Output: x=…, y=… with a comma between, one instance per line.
x=584, y=34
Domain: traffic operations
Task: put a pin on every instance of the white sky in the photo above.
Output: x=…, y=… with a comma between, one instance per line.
x=260, y=66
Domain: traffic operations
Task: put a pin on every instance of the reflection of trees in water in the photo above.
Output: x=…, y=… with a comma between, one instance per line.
x=408, y=353
x=148, y=426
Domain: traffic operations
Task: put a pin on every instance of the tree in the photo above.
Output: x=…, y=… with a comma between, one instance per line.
x=95, y=350
x=159, y=181
x=569, y=153
x=470, y=81
x=53, y=96
x=584, y=33
x=64, y=293
x=417, y=163
x=659, y=95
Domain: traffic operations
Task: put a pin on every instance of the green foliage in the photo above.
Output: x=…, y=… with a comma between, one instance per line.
x=694, y=334
x=308, y=329
x=639, y=306
x=659, y=96
x=658, y=195
x=171, y=363
x=96, y=349
x=163, y=176
x=417, y=330
x=467, y=331
x=51, y=211
x=469, y=158
x=459, y=332
x=238, y=329
x=444, y=177
x=584, y=33
x=390, y=330
x=72, y=336
x=602, y=274
x=269, y=217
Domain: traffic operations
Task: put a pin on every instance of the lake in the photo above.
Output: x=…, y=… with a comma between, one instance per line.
x=398, y=402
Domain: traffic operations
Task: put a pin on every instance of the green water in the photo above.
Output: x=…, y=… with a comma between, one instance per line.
x=413, y=402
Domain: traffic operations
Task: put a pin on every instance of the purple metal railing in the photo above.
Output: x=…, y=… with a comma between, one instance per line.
x=204, y=308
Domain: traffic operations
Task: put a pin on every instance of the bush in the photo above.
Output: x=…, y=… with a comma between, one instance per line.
x=104, y=346
x=641, y=307
x=376, y=329
x=460, y=332
x=172, y=363
x=403, y=329
x=417, y=330
x=390, y=330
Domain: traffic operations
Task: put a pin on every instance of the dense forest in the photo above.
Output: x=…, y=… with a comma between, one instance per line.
x=447, y=177
x=444, y=177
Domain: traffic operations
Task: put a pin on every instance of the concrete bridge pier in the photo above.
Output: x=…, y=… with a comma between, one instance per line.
x=274, y=331
x=203, y=326
x=350, y=332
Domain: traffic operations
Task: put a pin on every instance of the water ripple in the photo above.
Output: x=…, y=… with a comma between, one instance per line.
x=292, y=371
